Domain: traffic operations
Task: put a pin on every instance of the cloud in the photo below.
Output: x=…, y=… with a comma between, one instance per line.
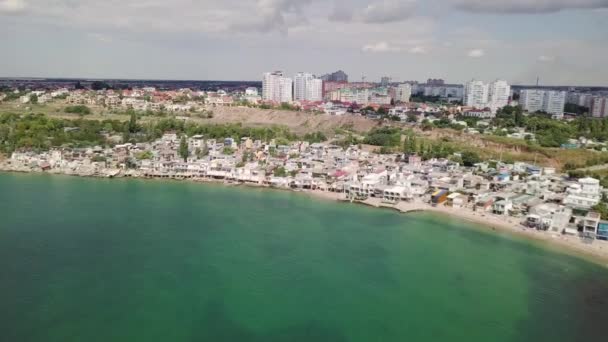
x=419, y=50
x=526, y=6
x=165, y=17
x=12, y=6
x=100, y=37
x=380, y=47
x=545, y=59
x=476, y=53
x=387, y=11
x=379, y=12
x=342, y=12
x=271, y=15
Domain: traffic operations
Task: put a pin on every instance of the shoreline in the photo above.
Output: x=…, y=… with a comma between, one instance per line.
x=597, y=252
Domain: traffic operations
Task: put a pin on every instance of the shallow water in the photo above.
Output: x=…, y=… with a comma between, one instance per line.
x=130, y=260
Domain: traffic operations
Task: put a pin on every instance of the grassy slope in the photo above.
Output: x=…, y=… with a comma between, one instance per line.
x=488, y=147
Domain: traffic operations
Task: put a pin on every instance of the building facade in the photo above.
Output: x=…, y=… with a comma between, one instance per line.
x=599, y=107
x=498, y=95
x=548, y=101
x=554, y=103
x=300, y=83
x=276, y=87
x=476, y=94
x=531, y=100
x=314, y=90
x=404, y=92
x=338, y=76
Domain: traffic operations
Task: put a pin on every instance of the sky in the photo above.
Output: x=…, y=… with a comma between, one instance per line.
x=563, y=42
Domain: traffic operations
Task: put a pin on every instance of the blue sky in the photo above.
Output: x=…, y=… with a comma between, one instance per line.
x=561, y=41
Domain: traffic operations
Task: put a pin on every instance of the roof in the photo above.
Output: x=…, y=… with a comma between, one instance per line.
x=439, y=192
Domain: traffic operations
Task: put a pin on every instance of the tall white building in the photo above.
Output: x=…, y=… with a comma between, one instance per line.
x=300, y=83
x=476, y=94
x=277, y=88
x=599, y=107
x=531, y=100
x=548, y=101
x=498, y=95
x=307, y=88
x=286, y=89
x=404, y=92
x=314, y=90
x=579, y=99
x=554, y=103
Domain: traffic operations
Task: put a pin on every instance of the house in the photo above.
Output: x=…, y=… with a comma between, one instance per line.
x=395, y=194
x=439, y=196
x=584, y=194
x=502, y=207
x=457, y=200
x=549, y=216
x=590, y=224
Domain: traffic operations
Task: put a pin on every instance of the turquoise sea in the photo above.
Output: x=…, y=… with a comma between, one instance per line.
x=133, y=260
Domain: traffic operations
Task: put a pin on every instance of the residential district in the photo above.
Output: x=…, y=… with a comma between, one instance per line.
x=331, y=94
x=532, y=196
x=537, y=197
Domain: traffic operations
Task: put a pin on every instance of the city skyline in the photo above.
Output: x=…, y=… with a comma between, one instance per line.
x=562, y=42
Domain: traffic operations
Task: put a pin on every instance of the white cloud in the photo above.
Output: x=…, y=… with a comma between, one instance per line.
x=272, y=15
x=12, y=6
x=380, y=47
x=378, y=12
x=526, y=6
x=546, y=59
x=418, y=50
x=100, y=37
x=476, y=53
x=387, y=11
x=145, y=16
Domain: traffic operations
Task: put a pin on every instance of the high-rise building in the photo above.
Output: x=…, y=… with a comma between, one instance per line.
x=286, y=89
x=307, y=87
x=384, y=81
x=554, y=103
x=338, y=76
x=531, y=100
x=498, y=95
x=404, y=92
x=579, y=99
x=548, y=101
x=300, y=82
x=435, y=82
x=599, y=107
x=276, y=88
x=476, y=94
x=314, y=90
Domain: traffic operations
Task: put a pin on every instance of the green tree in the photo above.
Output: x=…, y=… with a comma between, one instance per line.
x=34, y=99
x=145, y=155
x=132, y=126
x=228, y=150
x=470, y=158
x=280, y=172
x=602, y=209
x=78, y=109
x=183, y=148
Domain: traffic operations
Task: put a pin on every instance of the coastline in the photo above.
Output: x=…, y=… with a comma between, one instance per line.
x=596, y=252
